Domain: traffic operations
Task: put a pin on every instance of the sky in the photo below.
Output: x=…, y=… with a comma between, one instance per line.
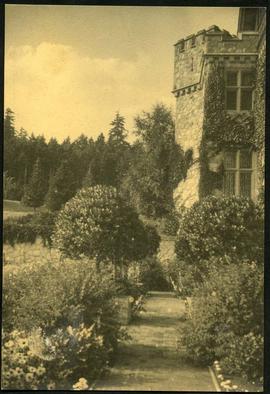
x=69, y=69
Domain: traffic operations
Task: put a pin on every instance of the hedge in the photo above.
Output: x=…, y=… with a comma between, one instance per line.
x=26, y=229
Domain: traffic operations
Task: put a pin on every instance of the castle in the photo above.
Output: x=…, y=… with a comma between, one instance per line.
x=219, y=85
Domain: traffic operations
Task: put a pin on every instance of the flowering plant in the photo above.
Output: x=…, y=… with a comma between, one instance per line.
x=74, y=352
x=21, y=367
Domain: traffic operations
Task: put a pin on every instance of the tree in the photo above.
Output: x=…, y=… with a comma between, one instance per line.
x=34, y=192
x=98, y=224
x=118, y=133
x=62, y=185
x=8, y=186
x=157, y=165
x=9, y=144
x=119, y=149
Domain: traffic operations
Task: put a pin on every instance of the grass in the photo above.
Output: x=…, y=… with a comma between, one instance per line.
x=13, y=208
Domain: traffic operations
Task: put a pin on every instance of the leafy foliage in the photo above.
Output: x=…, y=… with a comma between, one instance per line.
x=34, y=191
x=76, y=352
x=28, y=228
x=227, y=319
x=153, y=276
x=71, y=294
x=228, y=226
x=74, y=321
x=9, y=186
x=157, y=164
x=238, y=129
x=98, y=224
x=171, y=223
x=62, y=187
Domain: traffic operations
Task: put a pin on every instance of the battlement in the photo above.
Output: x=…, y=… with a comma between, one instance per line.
x=191, y=51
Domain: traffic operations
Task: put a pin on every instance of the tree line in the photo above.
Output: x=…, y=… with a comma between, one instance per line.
x=50, y=173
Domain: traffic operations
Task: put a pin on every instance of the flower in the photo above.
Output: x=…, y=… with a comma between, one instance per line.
x=30, y=353
x=32, y=369
x=13, y=372
x=22, y=342
x=40, y=371
x=82, y=384
x=9, y=344
x=51, y=386
x=29, y=377
x=70, y=330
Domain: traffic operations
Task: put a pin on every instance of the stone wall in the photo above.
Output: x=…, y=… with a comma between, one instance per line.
x=217, y=43
x=188, y=64
x=28, y=253
x=189, y=128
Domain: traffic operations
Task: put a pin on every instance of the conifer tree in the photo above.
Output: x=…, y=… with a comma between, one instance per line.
x=62, y=186
x=34, y=191
x=118, y=133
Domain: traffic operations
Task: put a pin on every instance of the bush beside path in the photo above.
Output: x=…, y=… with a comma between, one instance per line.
x=150, y=360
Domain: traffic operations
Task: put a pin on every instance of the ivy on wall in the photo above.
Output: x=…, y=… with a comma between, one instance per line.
x=222, y=130
x=259, y=112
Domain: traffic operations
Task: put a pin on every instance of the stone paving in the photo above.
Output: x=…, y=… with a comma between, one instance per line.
x=149, y=361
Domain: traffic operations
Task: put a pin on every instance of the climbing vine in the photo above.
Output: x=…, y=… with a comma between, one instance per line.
x=259, y=112
x=221, y=129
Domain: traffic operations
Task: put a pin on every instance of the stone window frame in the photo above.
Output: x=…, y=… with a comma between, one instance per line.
x=237, y=170
x=239, y=88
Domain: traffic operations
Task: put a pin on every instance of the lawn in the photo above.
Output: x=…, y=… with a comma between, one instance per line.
x=13, y=208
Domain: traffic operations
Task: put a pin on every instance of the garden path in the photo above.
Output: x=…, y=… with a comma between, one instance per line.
x=149, y=361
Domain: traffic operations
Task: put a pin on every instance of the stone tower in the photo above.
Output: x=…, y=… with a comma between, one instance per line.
x=218, y=99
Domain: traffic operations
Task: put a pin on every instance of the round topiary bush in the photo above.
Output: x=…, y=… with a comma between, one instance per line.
x=216, y=227
x=98, y=223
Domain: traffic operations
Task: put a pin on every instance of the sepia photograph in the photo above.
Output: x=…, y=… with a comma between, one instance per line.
x=133, y=198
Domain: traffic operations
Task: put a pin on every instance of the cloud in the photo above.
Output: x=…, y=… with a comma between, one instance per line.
x=55, y=91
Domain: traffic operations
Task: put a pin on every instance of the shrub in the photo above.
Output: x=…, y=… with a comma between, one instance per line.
x=38, y=361
x=26, y=229
x=75, y=352
x=227, y=319
x=216, y=227
x=182, y=276
x=19, y=230
x=98, y=224
x=153, y=275
x=52, y=295
x=44, y=223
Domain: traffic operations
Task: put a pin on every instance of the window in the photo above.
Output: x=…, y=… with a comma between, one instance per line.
x=249, y=19
x=239, y=90
x=181, y=46
x=193, y=41
x=240, y=173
